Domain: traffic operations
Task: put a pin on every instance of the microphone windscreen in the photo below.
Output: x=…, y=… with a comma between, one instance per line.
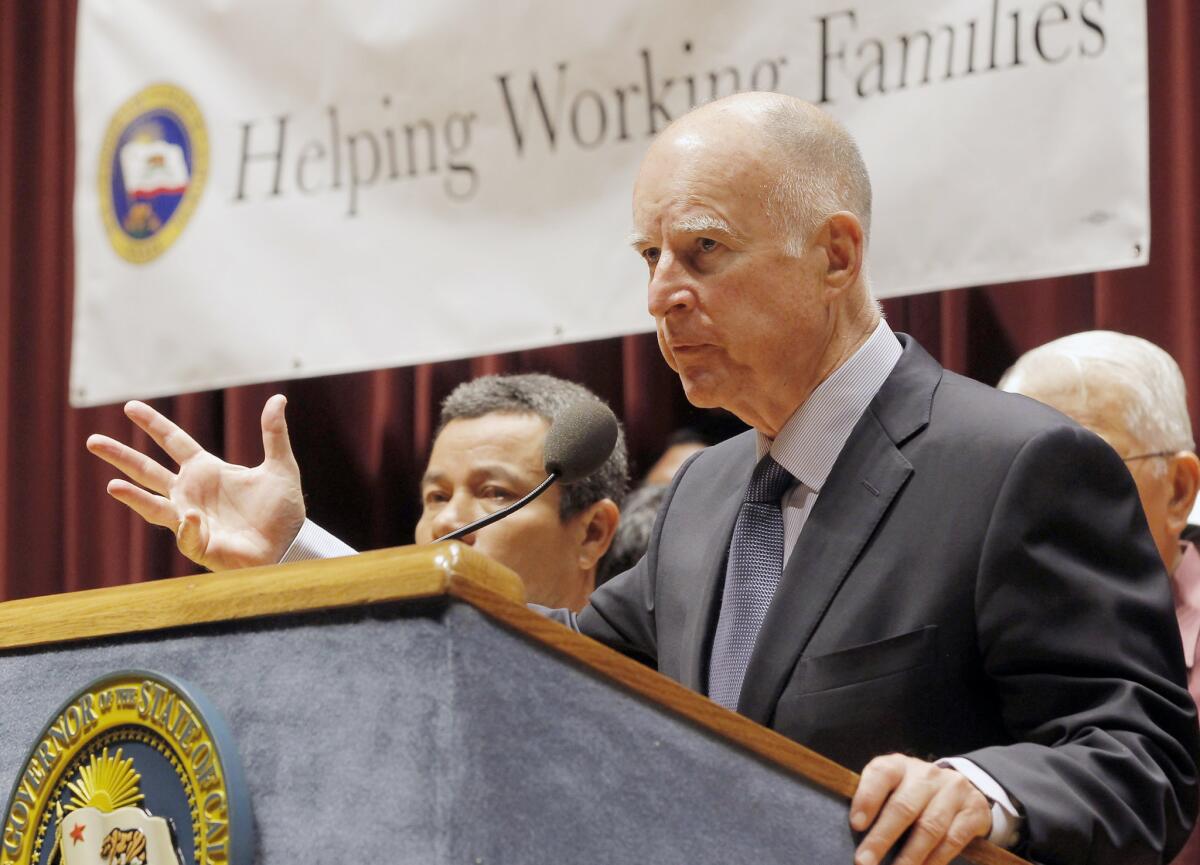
x=579, y=441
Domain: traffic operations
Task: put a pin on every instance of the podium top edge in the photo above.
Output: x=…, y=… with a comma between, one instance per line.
x=382, y=576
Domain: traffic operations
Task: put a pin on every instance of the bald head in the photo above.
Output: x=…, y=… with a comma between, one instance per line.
x=814, y=166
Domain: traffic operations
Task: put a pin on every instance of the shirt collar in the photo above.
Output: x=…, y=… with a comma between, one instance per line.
x=1186, y=585
x=811, y=440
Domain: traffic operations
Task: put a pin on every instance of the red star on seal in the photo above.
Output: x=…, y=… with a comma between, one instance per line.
x=77, y=834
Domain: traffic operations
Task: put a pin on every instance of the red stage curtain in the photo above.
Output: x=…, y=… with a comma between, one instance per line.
x=362, y=439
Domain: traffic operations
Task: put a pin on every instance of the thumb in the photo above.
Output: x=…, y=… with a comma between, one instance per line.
x=192, y=536
x=277, y=447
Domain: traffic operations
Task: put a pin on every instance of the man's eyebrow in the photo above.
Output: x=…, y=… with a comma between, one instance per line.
x=703, y=222
x=637, y=239
x=699, y=224
x=499, y=471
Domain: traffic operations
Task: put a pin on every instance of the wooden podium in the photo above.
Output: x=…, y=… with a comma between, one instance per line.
x=405, y=706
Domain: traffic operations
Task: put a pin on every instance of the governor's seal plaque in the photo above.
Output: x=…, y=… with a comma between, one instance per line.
x=153, y=166
x=135, y=769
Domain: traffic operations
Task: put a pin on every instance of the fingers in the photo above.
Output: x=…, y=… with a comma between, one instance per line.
x=192, y=536
x=962, y=832
x=950, y=811
x=892, y=800
x=191, y=531
x=880, y=777
x=153, y=509
x=139, y=467
x=178, y=445
x=944, y=810
x=277, y=447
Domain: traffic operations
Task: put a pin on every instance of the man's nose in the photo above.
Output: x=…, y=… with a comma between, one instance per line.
x=671, y=287
x=455, y=514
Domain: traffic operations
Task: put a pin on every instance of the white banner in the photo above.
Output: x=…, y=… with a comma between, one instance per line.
x=280, y=189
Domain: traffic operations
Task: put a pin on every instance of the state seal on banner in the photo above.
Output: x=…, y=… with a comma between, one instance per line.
x=135, y=769
x=153, y=167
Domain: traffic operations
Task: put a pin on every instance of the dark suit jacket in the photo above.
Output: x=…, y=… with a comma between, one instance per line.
x=977, y=579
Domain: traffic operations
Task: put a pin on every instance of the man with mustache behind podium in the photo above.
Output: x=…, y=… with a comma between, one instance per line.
x=949, y=589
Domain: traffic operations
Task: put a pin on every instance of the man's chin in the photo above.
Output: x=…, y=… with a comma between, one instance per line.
x=701, y=390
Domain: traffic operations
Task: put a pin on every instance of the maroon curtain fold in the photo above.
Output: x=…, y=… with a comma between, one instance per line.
x=362, y=439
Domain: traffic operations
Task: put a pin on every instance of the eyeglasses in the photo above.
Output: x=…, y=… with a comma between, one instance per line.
x=1149, y=456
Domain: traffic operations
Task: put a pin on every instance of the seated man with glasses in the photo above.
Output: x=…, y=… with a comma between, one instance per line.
x=1131, y=393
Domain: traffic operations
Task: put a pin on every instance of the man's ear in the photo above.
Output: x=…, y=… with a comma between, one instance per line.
x=598, y=522
x=1184, y=481
x=844, y=244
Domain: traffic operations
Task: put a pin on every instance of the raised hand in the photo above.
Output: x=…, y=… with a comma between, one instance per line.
x=223, y=515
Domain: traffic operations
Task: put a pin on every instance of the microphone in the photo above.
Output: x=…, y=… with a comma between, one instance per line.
x=578, y=442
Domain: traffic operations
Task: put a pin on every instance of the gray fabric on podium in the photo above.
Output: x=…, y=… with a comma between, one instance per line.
x=594, y=774
x=454, y=741
x=365, y=783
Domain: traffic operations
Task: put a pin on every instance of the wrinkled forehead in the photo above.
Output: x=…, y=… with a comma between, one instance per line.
x=697, y=150
x=728, y=173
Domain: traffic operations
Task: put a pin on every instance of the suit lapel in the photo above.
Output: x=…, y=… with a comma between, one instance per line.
x=868, y=475
x=847, y=511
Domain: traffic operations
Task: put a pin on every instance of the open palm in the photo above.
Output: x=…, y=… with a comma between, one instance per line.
x=223, y=515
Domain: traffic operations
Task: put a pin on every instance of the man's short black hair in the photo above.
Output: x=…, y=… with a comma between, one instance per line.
x=544, y=396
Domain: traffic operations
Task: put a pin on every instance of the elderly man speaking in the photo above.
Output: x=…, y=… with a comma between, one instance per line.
x=946, y=587
x=895, y=559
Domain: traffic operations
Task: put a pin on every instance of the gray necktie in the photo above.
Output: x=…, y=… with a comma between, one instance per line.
x=751, y=577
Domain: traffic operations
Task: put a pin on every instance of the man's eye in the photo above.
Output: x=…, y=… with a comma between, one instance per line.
x=651, y=255
x=434, y=497
x=707, y=244
x=498, y=493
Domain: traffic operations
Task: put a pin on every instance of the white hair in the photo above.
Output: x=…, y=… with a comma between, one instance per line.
x=1099, y=366
x=823, y=172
